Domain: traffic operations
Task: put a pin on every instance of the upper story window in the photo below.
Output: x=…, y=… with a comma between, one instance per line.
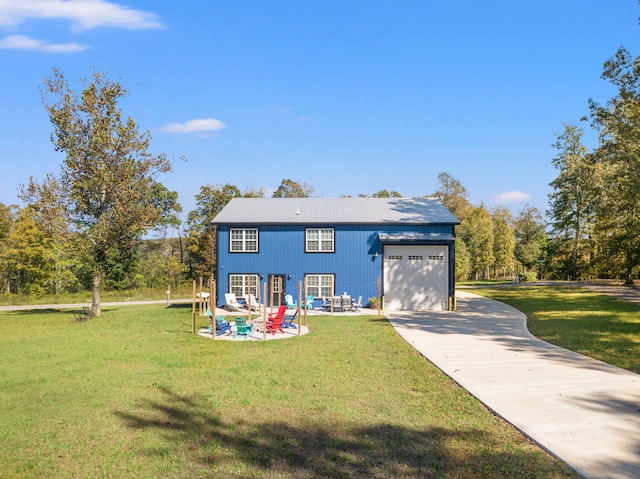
x=244, y=240
x=319, y=240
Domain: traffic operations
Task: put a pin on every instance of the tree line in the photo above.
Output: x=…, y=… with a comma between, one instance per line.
x=83, y=229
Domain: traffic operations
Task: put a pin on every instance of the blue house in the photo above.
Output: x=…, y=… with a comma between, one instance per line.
x=339, y=245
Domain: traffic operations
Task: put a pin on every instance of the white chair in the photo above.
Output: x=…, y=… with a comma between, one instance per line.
x=251, y=300
x=231, y=302
x=347, y=302
x=357, y=305
x=326, y=303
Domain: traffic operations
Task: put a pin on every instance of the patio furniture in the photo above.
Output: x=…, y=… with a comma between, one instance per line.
x=288, y=321
x=222, y=325
x=326, y=303
x=346, y=302
x=308, y=303
x=251, y=302
x=231, y=302
x=357, y=305
x=336, y=301
x=291, y=304
x=242, y=328
x=275, y=321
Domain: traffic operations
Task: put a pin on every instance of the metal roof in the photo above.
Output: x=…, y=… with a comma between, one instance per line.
x=331, y=211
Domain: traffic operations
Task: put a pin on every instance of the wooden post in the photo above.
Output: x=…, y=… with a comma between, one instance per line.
x=193, y=309
x=306, y=295
x=249, y=299
x=333, y=287
x=264, y=315
x=212, y=307
x=201, y=298
x=213, y=304
x=300, y=304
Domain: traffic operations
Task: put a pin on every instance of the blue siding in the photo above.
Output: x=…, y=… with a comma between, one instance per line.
x=282, y=251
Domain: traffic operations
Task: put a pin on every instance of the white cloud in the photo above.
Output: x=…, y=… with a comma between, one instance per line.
x=512, y=197
x=194, y=126
x=83, y=14
x=22, y=42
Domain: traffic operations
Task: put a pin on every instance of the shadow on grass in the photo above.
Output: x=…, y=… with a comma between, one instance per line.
x=280, y=449
x=32, y=312
x=180, y=306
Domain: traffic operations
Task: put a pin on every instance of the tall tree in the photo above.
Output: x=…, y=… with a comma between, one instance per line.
x=200, y=233
x=618, y=161
x=453, y=195
x=25, y=257
x=49, y=206
x=108, y=173
x=293, y=189
x=572, y=202
x=529, y=229
x=8, y=216
x=503, y=239
x=477, y=234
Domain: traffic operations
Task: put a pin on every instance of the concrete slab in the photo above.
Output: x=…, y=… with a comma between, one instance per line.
x=583, y=411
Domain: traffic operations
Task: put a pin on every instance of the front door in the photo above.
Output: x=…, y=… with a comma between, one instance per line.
x=277, y=289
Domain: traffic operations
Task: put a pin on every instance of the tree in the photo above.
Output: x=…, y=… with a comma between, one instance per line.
x=453, y=195
x=8, y=216
x=200, y=233
x=477, y=234
x=503, y=239
x=25, y=256
x=572, y=202
x=292, y=189
x=618, y=162
x=386, y=194
x=108, y=174
x=529, y=229
x=463, y=260
x=49, y=208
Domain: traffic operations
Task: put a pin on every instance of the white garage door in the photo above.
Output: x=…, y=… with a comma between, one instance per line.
x=416, y=277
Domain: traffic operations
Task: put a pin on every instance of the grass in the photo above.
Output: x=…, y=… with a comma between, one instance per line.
x=589, y=323
x=134, y=394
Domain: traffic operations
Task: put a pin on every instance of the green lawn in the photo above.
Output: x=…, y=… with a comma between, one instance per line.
x=134, y=394
x=589, y=323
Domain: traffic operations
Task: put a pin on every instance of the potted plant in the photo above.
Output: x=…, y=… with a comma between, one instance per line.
x=373, y=303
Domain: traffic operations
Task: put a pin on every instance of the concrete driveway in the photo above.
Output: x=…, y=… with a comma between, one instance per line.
x=583, y=411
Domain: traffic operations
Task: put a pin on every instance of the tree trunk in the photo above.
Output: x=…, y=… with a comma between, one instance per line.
x=95, y=300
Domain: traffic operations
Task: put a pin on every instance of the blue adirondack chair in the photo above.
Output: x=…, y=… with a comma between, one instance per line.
x=288, y=321
x=222, y=325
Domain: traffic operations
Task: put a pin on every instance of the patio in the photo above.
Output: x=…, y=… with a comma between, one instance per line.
x=257, y=319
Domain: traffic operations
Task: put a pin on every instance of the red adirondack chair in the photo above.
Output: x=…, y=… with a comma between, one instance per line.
x=275, y=321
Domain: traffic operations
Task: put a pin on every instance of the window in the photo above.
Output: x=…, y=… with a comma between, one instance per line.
x=241, y=284
x=319, y=284
x=319, y=240
x=394, y=257
x=415, y=257
x=436, y=258
x=244, y=240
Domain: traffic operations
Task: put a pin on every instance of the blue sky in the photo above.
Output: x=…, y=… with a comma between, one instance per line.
x=349, y=96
